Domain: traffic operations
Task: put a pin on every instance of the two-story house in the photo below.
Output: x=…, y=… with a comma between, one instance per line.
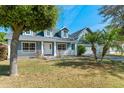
x=46, y=43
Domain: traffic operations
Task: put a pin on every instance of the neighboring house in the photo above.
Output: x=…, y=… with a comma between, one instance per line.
x=46, y=43
x=117, y=51
x=79, y=36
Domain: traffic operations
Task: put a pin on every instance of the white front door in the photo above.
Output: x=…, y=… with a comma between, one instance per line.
x=47, y=48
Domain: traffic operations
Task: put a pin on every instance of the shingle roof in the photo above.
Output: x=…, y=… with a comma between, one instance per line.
x=76, y=34
x=73, y=37
x=41, y=38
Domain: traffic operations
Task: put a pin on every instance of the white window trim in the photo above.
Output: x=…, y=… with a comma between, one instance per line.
x=61, y=43
x=27, y=51
x=31, y=33
x=74, y=46
x=62, y=34
x=51, y=34
x=65, y=34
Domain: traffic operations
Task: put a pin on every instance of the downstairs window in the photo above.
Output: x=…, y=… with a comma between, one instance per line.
x=28, y=47
x=61, y=46
x=73, y=46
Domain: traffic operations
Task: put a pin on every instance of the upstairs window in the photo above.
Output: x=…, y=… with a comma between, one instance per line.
x=28, y=33
x=48, y=33
x=65, y=34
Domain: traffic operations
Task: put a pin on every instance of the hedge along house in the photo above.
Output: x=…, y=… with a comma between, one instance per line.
x=45, y=43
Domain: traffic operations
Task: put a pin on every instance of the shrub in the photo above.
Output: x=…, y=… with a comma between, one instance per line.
x=81, y=49
x=3, y=52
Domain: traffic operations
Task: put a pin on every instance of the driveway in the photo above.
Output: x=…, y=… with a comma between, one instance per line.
x=115, y=58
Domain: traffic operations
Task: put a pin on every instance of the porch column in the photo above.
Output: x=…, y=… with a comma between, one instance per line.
x=9, y=49
x=42, y=48
x=75, y=49
x=55, y=49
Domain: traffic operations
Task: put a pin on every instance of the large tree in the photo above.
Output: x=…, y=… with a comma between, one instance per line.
x=114, y=14
x=24, y=18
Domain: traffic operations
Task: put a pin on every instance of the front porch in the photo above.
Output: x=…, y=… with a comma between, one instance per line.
x=58, y=48
x=45, y=48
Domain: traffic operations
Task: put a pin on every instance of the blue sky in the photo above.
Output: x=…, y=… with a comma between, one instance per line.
x=76, y=17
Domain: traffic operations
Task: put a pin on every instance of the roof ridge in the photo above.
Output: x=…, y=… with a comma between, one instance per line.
x=77, y=33
x=79, y=30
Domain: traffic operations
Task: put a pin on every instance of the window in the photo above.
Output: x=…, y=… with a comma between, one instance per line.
x=65, y=34
x=61, y=46
x=28, y=47
x=48, y=33
x=28, y=33
x=50, y=46
x=73, y=46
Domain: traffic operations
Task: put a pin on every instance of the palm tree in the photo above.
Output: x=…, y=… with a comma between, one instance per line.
x=92, y=38
x=109, y=40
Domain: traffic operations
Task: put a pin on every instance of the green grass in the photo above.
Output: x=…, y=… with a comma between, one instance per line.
x=76, y=72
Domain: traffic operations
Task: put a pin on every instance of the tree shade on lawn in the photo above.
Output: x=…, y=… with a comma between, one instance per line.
x=24, y=18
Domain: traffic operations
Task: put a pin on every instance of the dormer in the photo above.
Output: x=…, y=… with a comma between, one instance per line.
x=64, y=33
x=27, y=33
x=48, y=33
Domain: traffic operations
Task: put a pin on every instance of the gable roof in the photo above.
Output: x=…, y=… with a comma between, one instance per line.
x=76, y=34
x=57, y=33
x=64, y=29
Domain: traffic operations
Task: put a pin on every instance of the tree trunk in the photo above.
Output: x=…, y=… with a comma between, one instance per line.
x=94, y=52
x=104, y=51
x=17, y=29
x=13, y=54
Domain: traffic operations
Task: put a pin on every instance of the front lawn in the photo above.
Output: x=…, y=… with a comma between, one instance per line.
x=68, y=72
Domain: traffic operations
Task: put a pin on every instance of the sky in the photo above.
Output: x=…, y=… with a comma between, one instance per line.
x=76, y=17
